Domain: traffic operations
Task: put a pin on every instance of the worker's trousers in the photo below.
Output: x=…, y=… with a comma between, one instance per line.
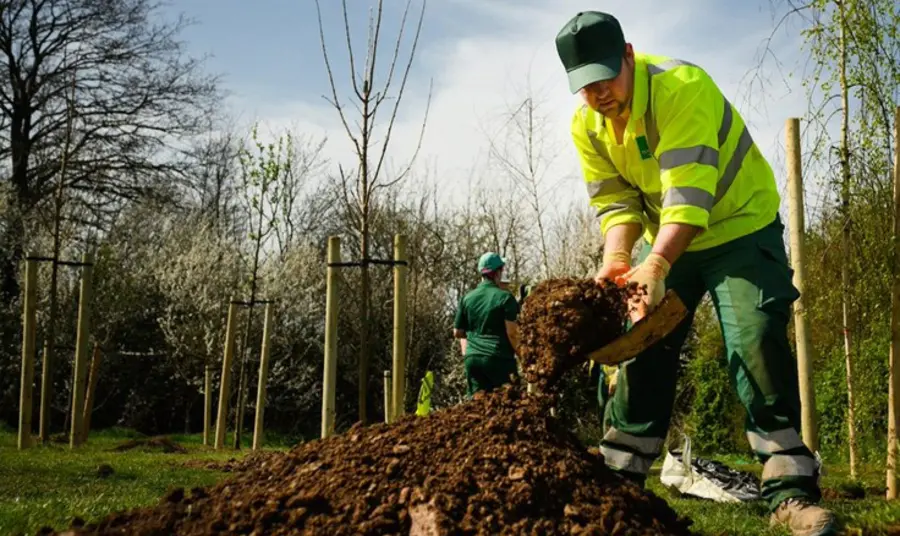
x=749, y=280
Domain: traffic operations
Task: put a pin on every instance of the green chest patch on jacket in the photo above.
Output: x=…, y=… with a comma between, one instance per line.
x=643, y=147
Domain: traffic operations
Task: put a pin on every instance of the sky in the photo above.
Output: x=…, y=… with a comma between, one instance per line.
x=480, y=57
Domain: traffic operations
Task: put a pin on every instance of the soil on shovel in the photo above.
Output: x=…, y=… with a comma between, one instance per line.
x=498, y=464
x=563, y=320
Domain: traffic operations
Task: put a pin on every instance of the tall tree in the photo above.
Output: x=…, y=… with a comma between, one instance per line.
x=136, y=93
x=263, y=166
x=852, y=76
x=523, y=150
x=845, y=233
x=372, y=85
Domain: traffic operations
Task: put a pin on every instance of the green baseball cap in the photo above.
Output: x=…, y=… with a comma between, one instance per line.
x=591, y=46
x=490, y=262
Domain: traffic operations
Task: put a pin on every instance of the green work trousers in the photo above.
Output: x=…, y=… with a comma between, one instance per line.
x=486, y=373
x=750, y=282
x=598, y=375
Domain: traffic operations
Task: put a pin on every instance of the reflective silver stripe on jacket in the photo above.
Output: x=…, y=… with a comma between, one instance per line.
x=623, y=205
x=611, y=186
x=699, y=154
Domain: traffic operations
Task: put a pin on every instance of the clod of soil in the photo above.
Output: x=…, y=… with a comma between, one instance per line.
x=498, y=464
x=162, y=443
x=563, y=320
x=104, y=470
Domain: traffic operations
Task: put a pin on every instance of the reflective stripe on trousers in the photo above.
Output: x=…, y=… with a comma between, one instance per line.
x=630, y=453
x=784, y=453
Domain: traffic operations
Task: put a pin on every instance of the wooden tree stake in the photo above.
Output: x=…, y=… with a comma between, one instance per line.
x=331, y=316
x=798, y=261
x=400, y=299
x=225, y=387
x=82, y=335
x=263, y=375
x=93, y=378
x=28, y=331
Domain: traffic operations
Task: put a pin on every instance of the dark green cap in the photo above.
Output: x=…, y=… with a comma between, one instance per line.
x=591, y=46
x=490, y=262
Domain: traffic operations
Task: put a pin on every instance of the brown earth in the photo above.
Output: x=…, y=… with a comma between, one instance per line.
x=562, y=320
x=498, y=464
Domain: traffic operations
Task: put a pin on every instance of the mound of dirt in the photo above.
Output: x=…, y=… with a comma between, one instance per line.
x=562, y=320
x=498, y=464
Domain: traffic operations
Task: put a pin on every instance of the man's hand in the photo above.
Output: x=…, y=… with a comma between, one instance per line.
x=650, y=277
x=615, y=264
x=620, y=241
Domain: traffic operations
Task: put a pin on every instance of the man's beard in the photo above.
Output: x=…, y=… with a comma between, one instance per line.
x=615, y=111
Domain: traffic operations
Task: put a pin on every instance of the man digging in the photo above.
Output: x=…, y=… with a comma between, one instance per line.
x=665, y=155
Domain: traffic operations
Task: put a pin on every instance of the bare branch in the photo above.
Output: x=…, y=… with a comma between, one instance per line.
x=393, y=118
x=335, y=99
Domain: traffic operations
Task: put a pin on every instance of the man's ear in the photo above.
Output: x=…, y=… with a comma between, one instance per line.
x=629, y=53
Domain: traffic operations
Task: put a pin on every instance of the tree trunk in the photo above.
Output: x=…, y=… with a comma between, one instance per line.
x=364, y=351
x=535, y=192
x=207, y=402
x=893, y=483
x=243, y=382
x=187, y=418
x=20, y=151
x=845, y=242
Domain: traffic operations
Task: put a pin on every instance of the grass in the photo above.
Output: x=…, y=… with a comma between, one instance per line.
x=869, y=516
x=50, y=485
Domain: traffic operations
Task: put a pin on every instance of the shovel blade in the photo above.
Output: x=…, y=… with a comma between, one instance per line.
x=644, y=333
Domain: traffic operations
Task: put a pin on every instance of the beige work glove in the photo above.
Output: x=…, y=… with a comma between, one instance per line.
x=650, y=274
x=615, y=265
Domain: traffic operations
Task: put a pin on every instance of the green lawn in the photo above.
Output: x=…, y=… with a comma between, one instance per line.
x=49, y=485
x=871, y=515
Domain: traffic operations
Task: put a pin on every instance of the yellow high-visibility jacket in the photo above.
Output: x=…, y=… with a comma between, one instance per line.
x=686, y=157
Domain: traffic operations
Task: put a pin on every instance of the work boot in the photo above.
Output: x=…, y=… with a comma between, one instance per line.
x=804, y=518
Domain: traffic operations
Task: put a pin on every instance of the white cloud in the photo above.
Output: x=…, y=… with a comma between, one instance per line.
x=476, y=77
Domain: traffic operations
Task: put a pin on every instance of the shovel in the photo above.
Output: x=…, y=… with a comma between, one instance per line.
x=644, y=333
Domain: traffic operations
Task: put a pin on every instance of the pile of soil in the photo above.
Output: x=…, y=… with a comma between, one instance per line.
x=498, y=464
x=563, y=320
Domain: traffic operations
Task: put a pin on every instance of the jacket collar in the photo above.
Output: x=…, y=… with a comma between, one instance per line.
x=641, y=95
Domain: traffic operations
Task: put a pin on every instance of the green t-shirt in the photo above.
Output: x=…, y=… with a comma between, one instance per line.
x=482, y=314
